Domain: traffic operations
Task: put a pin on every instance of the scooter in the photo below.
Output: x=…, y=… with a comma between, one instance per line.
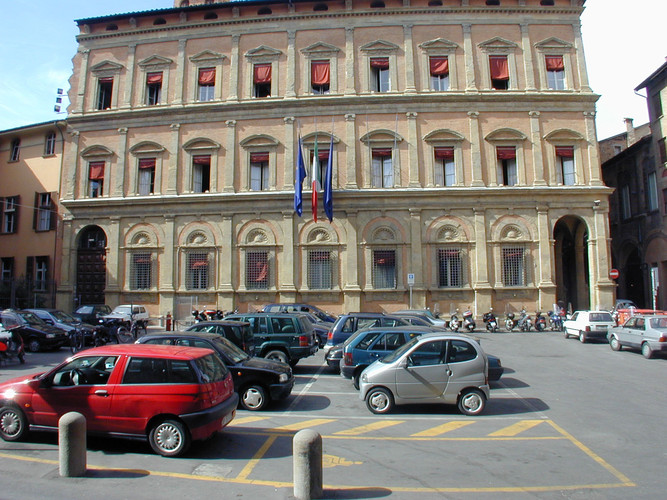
x=11, y=345
x=556, y=321
x=509, y=322
x=524, y=323
x=199, y=316
x=468, y=320
x=540, y=322
x=490, y=321
x=454, y=323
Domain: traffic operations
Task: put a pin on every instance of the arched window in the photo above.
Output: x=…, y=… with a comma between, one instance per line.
x=185, y=3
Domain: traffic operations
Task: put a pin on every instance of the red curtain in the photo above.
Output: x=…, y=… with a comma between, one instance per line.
x=262, y=73
x=506, y=152
x=106, y=80
x=380, y=62
x=142, y=259
x=381, y=152
x=555, y=63
x=201, y=160
x=259, y=157
x=194, y=263
x=439, y=66
x=565, y=151
x=444, y=153
x=385, y=258
x=153, y=78
x=207, y=76
x=499, y=68
x=96, y=170
x=261, y=271
x=319, y=72
x=323, y=154
x=146, y=163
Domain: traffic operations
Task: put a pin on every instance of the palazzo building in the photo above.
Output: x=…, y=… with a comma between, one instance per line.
x=461, y=133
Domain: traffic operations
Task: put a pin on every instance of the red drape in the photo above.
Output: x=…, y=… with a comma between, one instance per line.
x=506, y=152
x=565, y=151
x=96, y=170
x=555, y=63
x=201, y=160
x=106, y=80
x=319, y=72
x=381, y=152
x=262, y=73
x=142, y=259
x=444, y=153
x=198, y=263
x=439, y=66
x=146, y=163
x=153, y=78
x=261, y=271
x=207, y=76
x=259, y=157
x=323, y=154
x=385, y=258
x=499, y=68
x=380, y=62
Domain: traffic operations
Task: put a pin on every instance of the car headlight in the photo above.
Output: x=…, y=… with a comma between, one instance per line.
x=50, y=335
x=9, y=394
x=364, y=377
x=283, y=378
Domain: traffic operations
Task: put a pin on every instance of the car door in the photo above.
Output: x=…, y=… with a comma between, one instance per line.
x=630, y=335
x=466, y=367
x=426, y=374
x=571, y=326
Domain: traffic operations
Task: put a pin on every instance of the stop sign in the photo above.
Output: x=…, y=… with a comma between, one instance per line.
x=614, y=274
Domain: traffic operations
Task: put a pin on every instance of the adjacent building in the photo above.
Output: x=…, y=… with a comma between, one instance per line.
x=461, y=136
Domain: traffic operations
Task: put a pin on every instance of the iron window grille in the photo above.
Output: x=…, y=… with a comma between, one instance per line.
x=320, y=269
x=513, y=266
x=257, y=270
x=384, y=269
x=197, y=271
x=450, y=268
x=141, y=271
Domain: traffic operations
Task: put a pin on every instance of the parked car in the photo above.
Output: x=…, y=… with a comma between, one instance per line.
x=280, y=336
x=237, y=332
x=588, y=325
x=424, y=313
x=167, y=395
x=258, y=381
x=91, y=313
x=129, y=313
x=347, y=324
x=496, y=369
x=418, y=320
x=66, y=322
x=36, y=334
x=321, y=328
x=432, y=368
x=295, y=307
x=648, y=333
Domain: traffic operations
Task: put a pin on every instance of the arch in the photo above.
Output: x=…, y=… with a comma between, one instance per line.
x=449, y=229
x=443, y=135
x=210, y=15
x=159, y=21
x=505, y=134
x=512, y=228
x=198, y=234
x=91, y=237
x=380, y=135
x=201, y=143
x=377, y=230
x=320, y=7
x=563, y=135
x=257, y=233
x=146, y=147
x=142, y=235
x=259, y=140
x=571, y=255
x=263, y=11
x=322, y=137
x=96, y=151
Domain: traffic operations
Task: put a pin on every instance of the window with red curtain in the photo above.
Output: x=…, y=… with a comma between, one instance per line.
x=381, y=152
x=207, y=76
x=145, y=163
x=259, y=157
x=565, y=151
x=499, y=68
x=439, y=66
x=444, y=153
x=380, y=62
x=555, y=63
x=506, y=152
x=201, y=160
x=96, y=170
x=262, y=73
x=320, y=73
x=154, y=78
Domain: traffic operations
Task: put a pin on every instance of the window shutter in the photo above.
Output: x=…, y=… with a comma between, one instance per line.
x=259, y=157
x=53, y=213
x=201, y=160
x=154, y=78
x=565, y=151
x=445, y=153
x=96, y=170
x=30, y=269
x=35, y=211
x=146, y=163
x=381, y=152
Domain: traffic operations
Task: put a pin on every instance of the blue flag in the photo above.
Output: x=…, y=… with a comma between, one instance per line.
x=328, y=184
x=298, y=183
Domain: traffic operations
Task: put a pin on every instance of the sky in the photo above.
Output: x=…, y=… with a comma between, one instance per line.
x=38, y=42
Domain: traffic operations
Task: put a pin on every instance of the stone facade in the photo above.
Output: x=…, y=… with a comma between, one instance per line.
x=459, y=156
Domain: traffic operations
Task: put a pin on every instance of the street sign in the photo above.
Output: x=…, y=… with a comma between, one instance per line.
x=614, y=274
x=411, y=279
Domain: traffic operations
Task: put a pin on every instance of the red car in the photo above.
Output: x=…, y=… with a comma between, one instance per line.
x=169, y=395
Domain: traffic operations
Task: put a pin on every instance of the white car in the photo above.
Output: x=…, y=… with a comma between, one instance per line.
x=587, y=325
x=122, y=313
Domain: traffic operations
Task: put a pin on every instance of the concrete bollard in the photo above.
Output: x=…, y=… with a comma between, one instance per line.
x=307, y=464
x=72, y=444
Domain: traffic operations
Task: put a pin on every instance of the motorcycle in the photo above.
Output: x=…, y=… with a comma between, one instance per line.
x=556, y=321
x=199, y=316
x=490, y=321
x=524, y=323
x=11, y=345
x=540, y=322
x=454, y=323
x=509, y=322
x=468, y=320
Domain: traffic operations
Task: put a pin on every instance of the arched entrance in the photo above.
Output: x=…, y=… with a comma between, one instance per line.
x=91, y=269
x=572, y=269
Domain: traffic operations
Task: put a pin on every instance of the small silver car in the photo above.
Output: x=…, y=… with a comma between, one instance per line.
x=648, y=333
x=432, y=368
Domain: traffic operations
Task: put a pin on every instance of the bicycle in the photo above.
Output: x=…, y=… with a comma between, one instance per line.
x=77, y=341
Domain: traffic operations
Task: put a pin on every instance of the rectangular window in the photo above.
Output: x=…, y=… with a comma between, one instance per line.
x=384, y=269
x=322, y=159
x=507, y=162
x=445, y=171
x=10, y=214
x=15, y=150
x=439, y=69
x=555, y=72
x=95, y=178
x=626, y=211
x=262, y=80
x=500, y=75
x=153, y=88
x=206, y=84
x=41, y=273
x=513, y=266
x=380, y=81
x=382, y=168
x=146, y=176
x=197, y=271
x=104, y=88
x=319, y=269
x=662, y=150
x=257, y=270
x=201, y=173
x=50, y=144
x=450, y=268
x=259, y=171
x=44, y=212
x=320, y=77
x=6, y=270
x=140, y=271
x=565, y=155
x=652, y=192
x=656, y=102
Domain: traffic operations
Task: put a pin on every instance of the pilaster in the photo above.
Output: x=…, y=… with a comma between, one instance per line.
x=536, y=143
x=179, y=95
x=129, y=77
x=291, y=64
x=230, y=158
x=475, y=149
x=409, y=60
x=592, y=147
x=175, y=159
x=528, y=58
x=83, y=80
x=288, y=263
x=227, y=254
x=121, y=166
x=349, y=62
x=413, y=150
x=351, y=152
x=290, y=161
x=468, y=53
x=234, y=70
x=580, y=57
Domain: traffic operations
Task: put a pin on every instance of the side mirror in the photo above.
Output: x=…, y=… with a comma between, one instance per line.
x=405, y=362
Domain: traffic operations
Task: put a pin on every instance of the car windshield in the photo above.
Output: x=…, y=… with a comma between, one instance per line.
x=32, y=319
x=63, y=317
x=658, y=323
x=230, y=350
x=601, y=316
x=400, y=351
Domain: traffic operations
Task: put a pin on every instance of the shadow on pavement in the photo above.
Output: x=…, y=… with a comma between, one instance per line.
x=357, y=493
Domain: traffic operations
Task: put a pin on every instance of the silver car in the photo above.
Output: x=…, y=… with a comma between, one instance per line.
x=648, y=333
x=432, y=368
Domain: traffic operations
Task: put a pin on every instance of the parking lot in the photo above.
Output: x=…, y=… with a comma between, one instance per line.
x=566, y=420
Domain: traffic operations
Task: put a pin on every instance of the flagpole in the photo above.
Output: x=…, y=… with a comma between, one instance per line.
x=315, y=179
x=328, y=179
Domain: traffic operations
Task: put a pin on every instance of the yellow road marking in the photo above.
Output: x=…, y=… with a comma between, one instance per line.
x=297, y=426
x=362, y=429
x=517, y=428
x=329, y=461
x=245, y=420
x=256, y=458
x=441, y=429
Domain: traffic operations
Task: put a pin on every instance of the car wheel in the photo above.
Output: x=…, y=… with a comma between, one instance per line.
x=13, y=424
x=379, y=400
x=169, y=438
x=253, y=398
x=355, y=379
x=34, y=345
x=615, y=344
x=582, y=337
x=647, y=351
x=472, y=402
x=565, y=334
x=277, y=355
x=124, y=336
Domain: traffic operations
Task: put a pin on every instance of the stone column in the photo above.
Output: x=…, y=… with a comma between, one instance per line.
x=79, y=106
x=291, y=63
x=230, y=158
x=234, y=70
x=290, y=154
x=546, y=260
x=75, y=179
x=413, y=150
x=227, y=256
x=288, y=262
x=536, y=146
x=174, y=159
x=409, y=60
x=415, y=260
x=468, y=52
x=475, y=149
x=129, y=80
x=168, y=265
x=349, y=62
x=351, y=151
x=119, y=187
x=180, y=74
x=480, y=276
x=580, y=57
x=528, y=58
x=113, y=256
x=350, y=278
x=592, y=147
